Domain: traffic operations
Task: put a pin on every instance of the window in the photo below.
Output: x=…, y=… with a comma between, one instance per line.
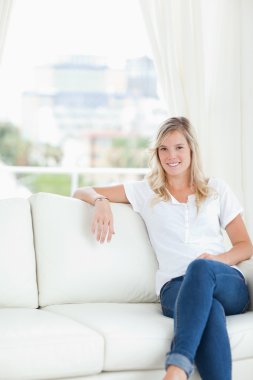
x=78, y=86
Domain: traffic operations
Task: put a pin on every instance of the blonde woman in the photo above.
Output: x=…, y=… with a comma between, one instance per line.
x=198, y=281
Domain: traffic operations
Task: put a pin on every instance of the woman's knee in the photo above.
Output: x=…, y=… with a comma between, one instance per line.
x=200, y=267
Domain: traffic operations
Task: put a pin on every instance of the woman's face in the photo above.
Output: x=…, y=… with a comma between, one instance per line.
x=175, y=154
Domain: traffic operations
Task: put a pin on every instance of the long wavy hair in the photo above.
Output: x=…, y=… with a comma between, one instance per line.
x=157, y=176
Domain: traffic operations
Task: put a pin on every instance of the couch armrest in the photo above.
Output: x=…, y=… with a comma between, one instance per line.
x=247, y=269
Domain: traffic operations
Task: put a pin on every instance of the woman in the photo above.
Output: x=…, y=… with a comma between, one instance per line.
x=198, y=281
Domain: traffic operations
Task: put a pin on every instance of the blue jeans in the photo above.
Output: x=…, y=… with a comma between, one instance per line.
x=199, y=302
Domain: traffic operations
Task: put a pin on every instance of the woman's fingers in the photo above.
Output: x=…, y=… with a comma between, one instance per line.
x=102, y=229
x=110, y=232
x=102, y=223
x=94, y=225
x=103, y=233
x=203, y=256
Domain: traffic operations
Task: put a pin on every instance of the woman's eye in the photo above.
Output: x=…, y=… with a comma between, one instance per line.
x=180, y=147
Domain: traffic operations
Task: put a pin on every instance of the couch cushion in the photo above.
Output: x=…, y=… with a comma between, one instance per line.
x=74, y=268
x=137, y=336
x=18, y=286
x=44, y=345
x=240, y=330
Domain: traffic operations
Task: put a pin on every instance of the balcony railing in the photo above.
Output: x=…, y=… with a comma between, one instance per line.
x=74, y=172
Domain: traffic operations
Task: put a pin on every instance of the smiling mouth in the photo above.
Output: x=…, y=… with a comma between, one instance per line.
x=174, y=164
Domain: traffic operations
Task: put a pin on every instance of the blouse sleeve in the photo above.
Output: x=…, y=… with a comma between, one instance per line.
x=136, y=192
x=230, y=206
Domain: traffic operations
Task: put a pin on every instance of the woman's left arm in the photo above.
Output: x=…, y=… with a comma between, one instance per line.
x=242, y=247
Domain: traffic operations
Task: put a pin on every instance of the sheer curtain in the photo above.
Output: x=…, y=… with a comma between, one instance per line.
x=204, y=57
x=5, y=10
x=175, y=33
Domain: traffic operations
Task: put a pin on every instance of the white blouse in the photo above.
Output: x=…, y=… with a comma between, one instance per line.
x=177, y=232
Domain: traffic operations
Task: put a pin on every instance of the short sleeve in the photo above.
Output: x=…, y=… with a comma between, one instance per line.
x=137, y=192
x=230, y=206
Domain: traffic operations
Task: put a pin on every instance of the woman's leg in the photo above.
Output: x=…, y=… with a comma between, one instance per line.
x=203, y=281
x=214, y=340
x=168, y=296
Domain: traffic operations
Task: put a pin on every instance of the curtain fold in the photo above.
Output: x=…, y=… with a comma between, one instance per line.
x=203, y=56
x=246, y=102
x=174, y=29
x=5, y=11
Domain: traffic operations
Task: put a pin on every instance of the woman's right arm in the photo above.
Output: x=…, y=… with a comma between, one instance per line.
x=100, y=198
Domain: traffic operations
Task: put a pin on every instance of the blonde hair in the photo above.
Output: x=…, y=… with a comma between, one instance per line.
x=157, y=177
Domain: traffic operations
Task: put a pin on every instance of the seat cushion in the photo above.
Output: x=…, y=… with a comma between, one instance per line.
x=74, y=268
x=18, y=285
x=240, y=330
x=45, y=345
x=137, y=336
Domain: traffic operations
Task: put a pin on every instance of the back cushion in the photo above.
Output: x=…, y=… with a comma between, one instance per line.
x=74, y=268
x=18, y=286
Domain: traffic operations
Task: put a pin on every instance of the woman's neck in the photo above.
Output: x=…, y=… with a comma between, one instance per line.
x=180, y=190
x=179, y=184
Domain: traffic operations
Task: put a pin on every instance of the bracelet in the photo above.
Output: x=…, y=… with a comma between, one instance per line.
x=100, y=199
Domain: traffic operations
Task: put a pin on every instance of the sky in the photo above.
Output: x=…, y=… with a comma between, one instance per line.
x=42, y=30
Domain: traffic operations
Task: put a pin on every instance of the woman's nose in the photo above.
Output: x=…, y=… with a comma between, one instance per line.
x=171, y=154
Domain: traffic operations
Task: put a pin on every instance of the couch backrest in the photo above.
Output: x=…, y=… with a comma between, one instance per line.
x=18, y=286
x=72, y=267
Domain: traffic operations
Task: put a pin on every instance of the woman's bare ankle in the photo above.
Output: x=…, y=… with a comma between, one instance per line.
x=175, y=373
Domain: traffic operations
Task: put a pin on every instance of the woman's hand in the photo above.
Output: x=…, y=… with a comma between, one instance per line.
x=206, y=256
x=100, y=198
x=241, y=244
x=102, y=222
x=222, y=257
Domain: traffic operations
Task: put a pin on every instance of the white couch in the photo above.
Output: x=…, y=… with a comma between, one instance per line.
x=72, y=308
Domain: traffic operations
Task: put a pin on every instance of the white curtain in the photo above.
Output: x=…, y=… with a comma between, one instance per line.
x=203, y=54
x=5, y=10
x=174, y=31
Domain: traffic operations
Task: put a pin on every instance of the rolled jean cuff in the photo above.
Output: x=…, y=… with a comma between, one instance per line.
x=180, y=361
